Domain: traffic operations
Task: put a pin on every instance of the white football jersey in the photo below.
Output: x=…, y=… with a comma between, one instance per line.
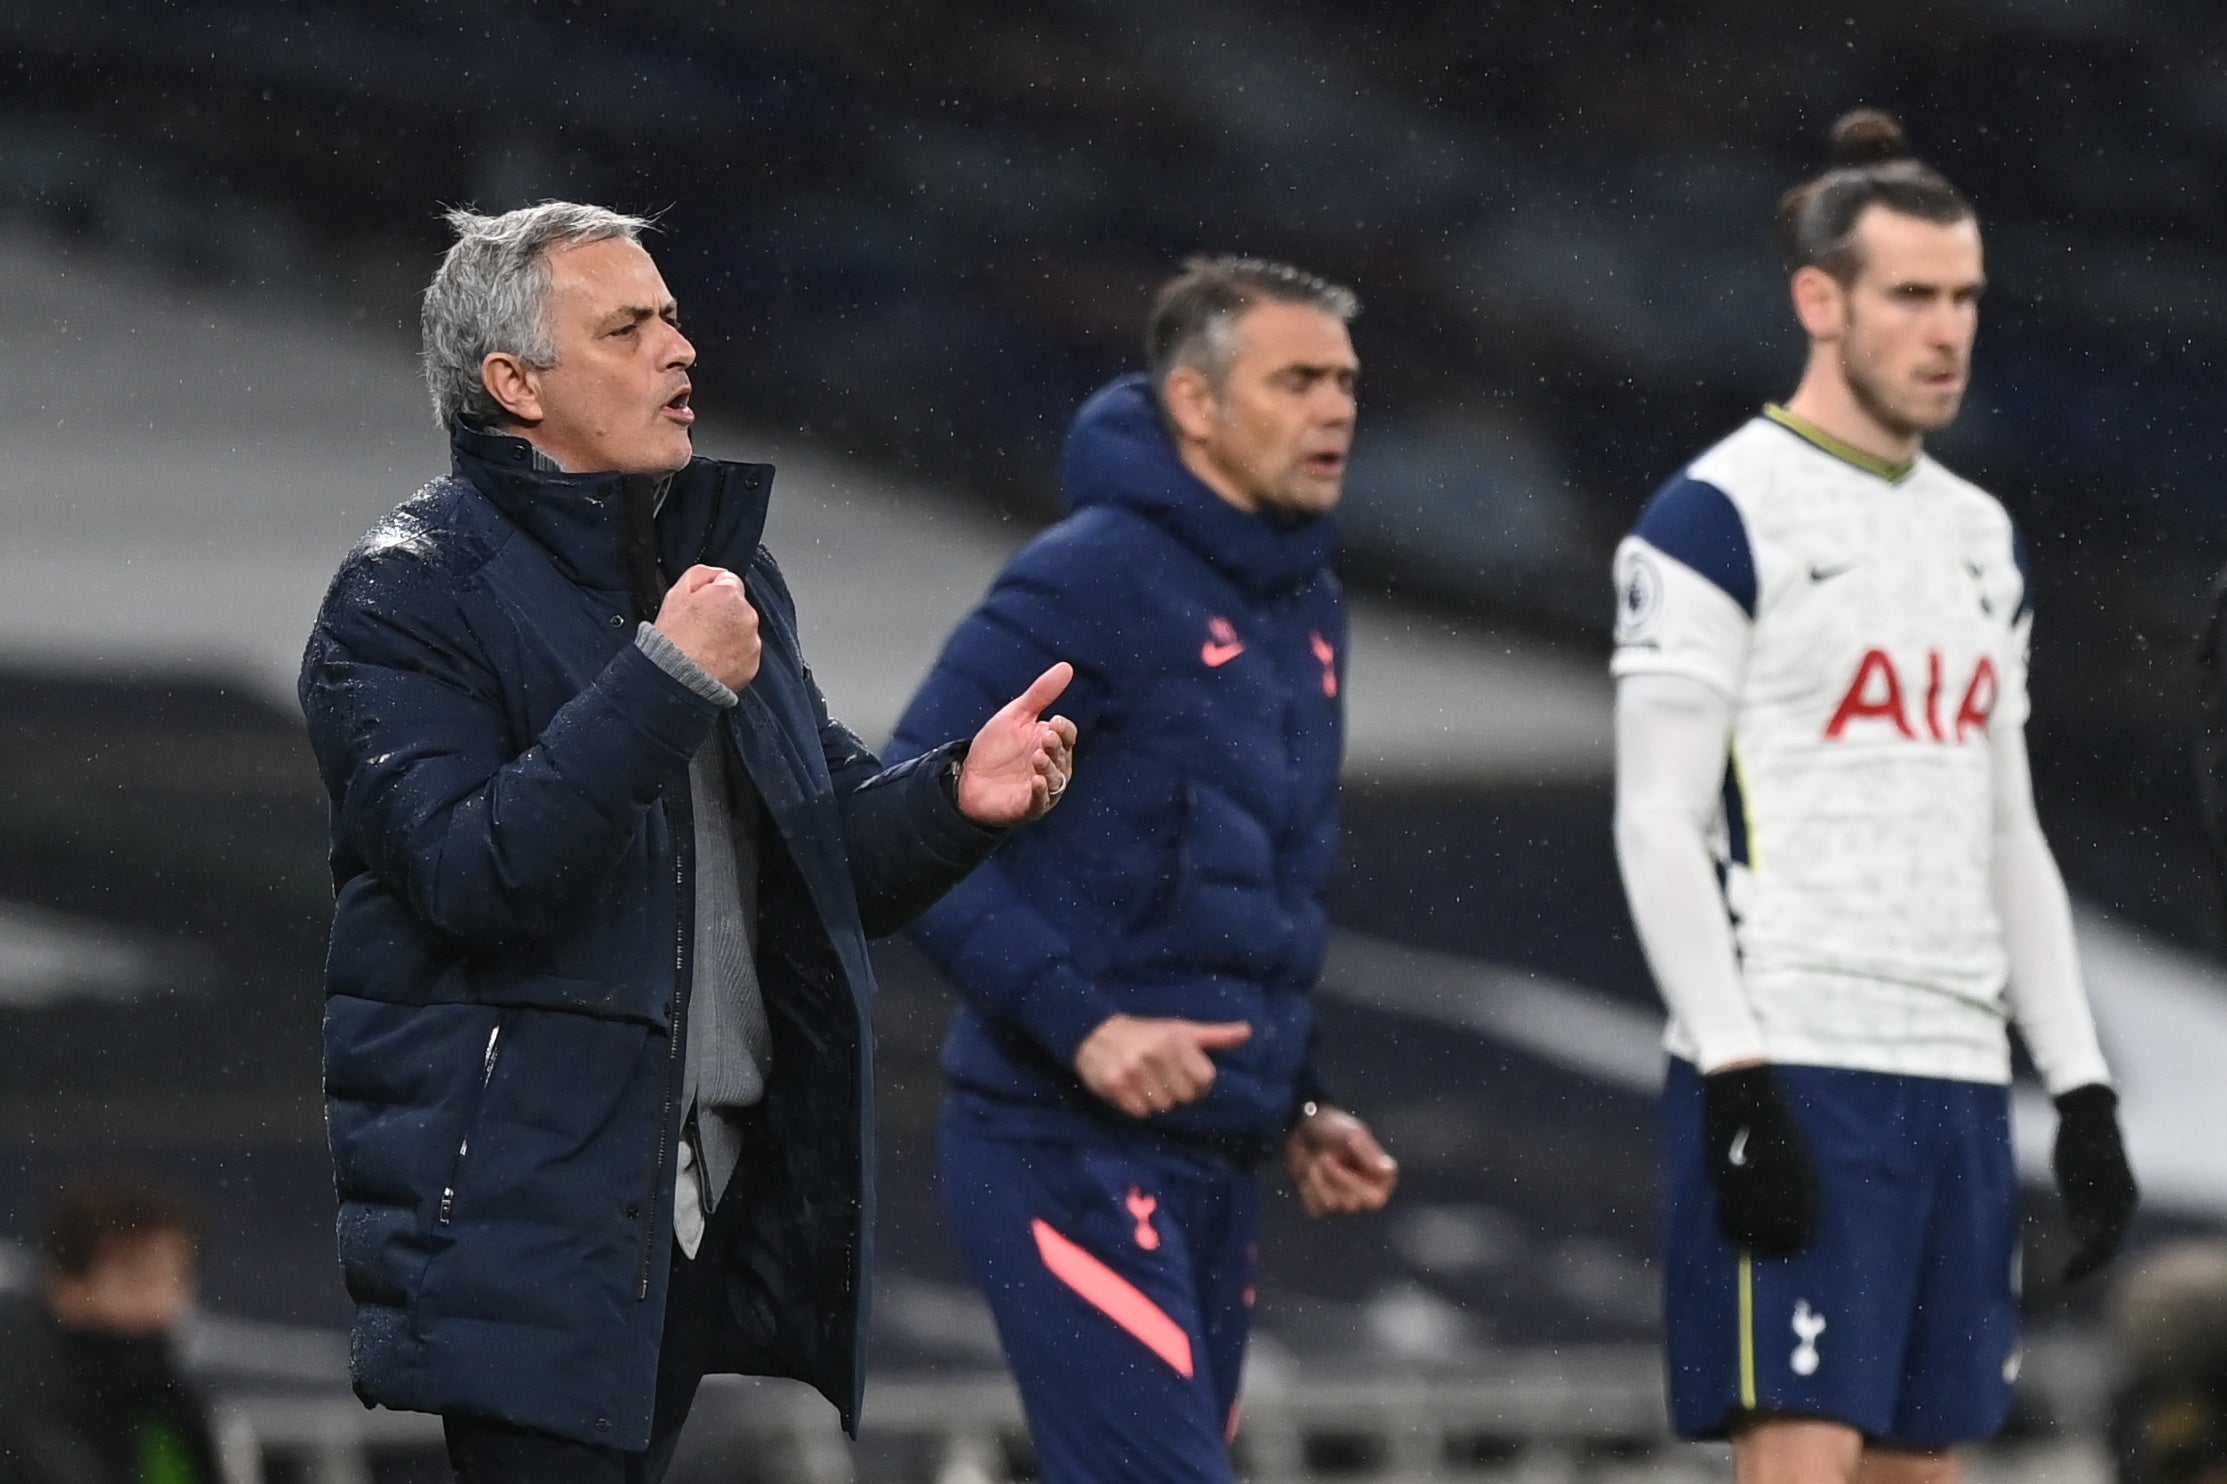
x=1869, y=625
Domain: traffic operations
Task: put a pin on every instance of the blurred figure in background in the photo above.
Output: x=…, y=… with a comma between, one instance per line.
x=1827, y=833
x=1136, y=1032
x=89, y=1386
x=2169, y=1329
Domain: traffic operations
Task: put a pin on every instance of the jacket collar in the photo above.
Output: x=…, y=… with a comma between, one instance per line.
x=714, y=511
x=1119, y=453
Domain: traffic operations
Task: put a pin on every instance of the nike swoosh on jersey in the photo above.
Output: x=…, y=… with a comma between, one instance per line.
x=1827, y=574
x=1218, y=655
x=1737, y=1155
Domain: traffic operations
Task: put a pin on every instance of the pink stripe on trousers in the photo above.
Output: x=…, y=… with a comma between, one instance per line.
x=1115, y=1297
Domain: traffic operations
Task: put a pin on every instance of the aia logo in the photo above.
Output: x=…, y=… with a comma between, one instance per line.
x=1877, y=694
x=1222, y=643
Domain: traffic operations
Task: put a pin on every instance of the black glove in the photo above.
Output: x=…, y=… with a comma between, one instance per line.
x=1759, y=1162
x=2093, y=1176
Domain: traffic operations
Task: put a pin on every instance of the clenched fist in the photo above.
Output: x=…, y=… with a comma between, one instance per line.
x=709, y=616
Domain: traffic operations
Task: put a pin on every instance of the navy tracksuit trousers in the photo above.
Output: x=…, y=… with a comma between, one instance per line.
x=1122, y=1282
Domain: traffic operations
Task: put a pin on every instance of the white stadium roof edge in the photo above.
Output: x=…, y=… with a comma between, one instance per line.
x=185, y=468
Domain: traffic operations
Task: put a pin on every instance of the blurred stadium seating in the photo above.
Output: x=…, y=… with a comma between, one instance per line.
x=908, y=242
x=921, y=235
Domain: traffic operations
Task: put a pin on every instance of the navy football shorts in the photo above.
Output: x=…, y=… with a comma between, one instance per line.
x=1901, y=1317
x=1121, y=1279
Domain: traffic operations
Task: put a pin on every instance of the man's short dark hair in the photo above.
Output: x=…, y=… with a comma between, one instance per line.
x=90, y=1221
x=1872, y=166
x=1193, y=312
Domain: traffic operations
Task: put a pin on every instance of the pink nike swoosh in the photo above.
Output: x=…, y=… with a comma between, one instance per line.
x=1218, y=655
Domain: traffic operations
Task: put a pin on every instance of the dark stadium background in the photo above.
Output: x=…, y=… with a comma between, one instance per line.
x=916, y=235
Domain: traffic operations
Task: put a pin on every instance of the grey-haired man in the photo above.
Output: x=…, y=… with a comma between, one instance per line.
x=597, y=1056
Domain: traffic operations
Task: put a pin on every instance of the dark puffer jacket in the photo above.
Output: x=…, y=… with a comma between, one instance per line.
x=506, y=994
x=1183, y=872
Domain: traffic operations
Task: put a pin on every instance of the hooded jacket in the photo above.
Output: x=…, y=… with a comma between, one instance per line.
x=1183, y=872
x=506, y=995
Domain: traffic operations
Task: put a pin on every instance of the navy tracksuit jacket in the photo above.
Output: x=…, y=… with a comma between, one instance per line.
x=1183, y=872
x=1181, y=875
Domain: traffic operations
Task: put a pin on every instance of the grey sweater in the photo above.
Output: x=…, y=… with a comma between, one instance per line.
x=728, y=1044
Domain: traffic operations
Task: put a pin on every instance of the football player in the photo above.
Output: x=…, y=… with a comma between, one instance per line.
x=1827, y=834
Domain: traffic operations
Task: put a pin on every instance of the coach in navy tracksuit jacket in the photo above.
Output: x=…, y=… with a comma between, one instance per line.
x=1136, y=1030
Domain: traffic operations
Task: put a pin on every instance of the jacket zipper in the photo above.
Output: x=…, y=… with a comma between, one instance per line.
x=684, y=834
x=646, y=603
x=464, y=1145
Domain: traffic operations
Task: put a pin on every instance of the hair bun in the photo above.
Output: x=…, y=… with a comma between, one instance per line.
x=1866, y=136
